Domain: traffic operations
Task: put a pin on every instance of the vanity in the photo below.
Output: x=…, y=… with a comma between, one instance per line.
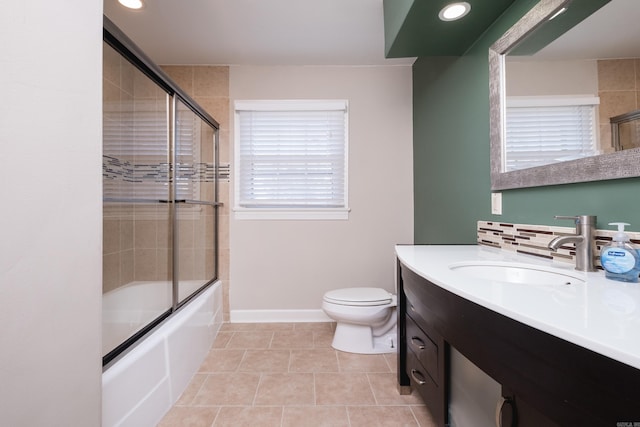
x=564, y=345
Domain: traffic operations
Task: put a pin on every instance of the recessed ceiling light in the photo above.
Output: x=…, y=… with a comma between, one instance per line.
x=131, y=4
x=454, y=11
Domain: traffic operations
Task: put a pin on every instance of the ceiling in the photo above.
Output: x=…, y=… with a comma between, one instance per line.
x=336, y=32
x=611, y=32
x=414, y=28
x=257, y=32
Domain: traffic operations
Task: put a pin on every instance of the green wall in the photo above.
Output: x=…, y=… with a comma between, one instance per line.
x=451, y=155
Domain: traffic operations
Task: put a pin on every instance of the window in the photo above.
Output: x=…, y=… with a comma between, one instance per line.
x=545, y=130
x=291, y=159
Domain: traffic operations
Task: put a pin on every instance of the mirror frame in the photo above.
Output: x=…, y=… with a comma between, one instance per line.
x=620, y=164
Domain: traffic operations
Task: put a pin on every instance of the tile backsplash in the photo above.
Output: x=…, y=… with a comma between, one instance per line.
x=533, y=239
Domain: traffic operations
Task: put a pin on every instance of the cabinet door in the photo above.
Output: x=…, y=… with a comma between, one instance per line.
x=425, y=351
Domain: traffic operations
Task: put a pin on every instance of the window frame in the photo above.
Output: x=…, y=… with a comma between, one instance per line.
x=290, y=213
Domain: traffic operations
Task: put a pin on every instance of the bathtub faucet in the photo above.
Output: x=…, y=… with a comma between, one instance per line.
x=584, y=240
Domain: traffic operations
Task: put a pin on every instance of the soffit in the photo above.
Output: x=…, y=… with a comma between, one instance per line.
x=412, y=27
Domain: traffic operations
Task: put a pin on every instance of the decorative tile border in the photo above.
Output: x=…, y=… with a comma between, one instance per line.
x=534, y=239
x=113, y=168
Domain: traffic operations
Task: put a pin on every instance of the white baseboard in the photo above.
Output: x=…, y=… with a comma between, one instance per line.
x=278, y=316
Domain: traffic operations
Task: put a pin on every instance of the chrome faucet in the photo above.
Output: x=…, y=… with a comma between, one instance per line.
x=584, y=240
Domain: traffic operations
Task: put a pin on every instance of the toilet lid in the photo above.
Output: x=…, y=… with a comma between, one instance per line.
x=358, y=296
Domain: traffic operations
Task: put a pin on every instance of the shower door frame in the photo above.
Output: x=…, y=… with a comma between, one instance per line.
x=115, y=38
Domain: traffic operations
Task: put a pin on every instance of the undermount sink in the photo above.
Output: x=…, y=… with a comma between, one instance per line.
x=519, y=273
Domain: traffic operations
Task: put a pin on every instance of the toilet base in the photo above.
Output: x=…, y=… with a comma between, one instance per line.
x=359, y=339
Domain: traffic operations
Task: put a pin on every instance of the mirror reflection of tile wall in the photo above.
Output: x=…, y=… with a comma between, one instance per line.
x=619, y=90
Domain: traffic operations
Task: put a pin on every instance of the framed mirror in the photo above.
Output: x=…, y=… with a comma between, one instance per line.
x=558, y=53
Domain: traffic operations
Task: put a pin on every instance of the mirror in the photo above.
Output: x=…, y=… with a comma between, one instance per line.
x=527, y=65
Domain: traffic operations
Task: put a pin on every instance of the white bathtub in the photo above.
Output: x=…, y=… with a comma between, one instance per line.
x=128, y=309
x=141, y=386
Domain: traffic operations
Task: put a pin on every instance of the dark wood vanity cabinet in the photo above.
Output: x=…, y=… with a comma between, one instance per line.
x=423, y=354
x=568, y=384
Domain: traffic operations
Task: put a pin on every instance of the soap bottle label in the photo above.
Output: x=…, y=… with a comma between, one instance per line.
x=617, y=260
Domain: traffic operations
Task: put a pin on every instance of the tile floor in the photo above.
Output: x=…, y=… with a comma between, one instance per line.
x=287, y=374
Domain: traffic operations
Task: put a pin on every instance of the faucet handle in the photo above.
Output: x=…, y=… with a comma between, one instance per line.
x=580, y=219
x=575, y=218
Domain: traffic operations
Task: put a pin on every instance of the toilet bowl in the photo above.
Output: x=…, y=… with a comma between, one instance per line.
x=366, y=319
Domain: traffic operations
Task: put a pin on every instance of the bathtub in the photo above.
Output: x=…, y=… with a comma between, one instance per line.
x=129, y=308
x=143, y=384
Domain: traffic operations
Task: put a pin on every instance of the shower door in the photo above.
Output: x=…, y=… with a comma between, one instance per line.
x=159, y=195
x=137, y=238
x=195, y=207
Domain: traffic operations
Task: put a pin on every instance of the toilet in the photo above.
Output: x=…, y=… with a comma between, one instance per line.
x=366, y=319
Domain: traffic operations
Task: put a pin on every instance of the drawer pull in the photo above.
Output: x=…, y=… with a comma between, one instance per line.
x=417, y=342
x=418, y=377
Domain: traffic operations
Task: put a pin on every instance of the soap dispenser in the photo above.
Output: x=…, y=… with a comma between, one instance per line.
x=620, y=260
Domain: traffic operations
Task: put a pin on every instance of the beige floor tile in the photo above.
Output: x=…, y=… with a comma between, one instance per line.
x=392, y=361
x=192, y=389
x=227, y=389
x=385, y=390
x=286, y=374
x=315, y=326
x=184, y=416
x=315, y=416
x=314, y=360
x=249, y=416
x=248, y=327
x=322, y=339
x=250, y=340
x=222, y=339
x=285, y=389
x=381, y=416
x=261, y=361
x=222, y=360
x=343, y=389
x=292, y=339
x=351, y=362
x=423, y=416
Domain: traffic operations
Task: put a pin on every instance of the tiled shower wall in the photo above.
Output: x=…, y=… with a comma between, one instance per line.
x=137, y=245
x=619, y=92
x=533, y=239
x=209, y=87
x=134, y=244
x=117, y=248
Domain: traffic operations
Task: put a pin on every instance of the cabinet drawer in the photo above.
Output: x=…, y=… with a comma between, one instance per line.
x=430, y=392
x=424, y=349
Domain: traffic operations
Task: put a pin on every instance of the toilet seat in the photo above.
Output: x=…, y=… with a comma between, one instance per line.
x=359, y=297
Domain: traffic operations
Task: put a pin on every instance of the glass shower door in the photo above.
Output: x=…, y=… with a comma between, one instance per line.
x=159, y=196
x=195, y=195
x=137, y=243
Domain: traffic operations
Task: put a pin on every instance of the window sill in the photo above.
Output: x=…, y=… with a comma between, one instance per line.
x=291, y=214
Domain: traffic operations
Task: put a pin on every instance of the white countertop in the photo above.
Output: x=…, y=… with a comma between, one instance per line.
x=602, y=315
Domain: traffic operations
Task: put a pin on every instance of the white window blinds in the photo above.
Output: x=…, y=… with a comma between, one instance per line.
x=544, y=130
x=291, y=154
x=137, y=165
x=135, y=151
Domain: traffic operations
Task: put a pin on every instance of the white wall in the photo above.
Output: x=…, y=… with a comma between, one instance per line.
x=288, y=265
x=539, y=78
x=51, y=228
